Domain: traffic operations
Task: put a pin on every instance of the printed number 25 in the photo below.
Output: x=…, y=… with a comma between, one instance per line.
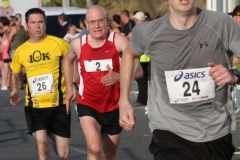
x=195, y=88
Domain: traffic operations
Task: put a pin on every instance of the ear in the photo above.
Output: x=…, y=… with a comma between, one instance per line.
x=26, y=25
x=85, y=21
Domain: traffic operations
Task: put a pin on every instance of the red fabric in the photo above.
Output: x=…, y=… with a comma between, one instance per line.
x=96, y=95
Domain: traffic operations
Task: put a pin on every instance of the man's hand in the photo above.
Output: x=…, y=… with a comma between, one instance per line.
x=14, y=98
x=220, y=74
x=71, y=96
x=126, y=117
x=111, y=78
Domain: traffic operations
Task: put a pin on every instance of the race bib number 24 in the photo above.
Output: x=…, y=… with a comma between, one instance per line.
x=189, y=85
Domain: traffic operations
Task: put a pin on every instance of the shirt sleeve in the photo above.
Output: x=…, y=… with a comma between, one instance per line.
x=137, y=40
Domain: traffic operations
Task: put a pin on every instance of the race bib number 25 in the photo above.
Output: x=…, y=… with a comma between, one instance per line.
x=190, y=85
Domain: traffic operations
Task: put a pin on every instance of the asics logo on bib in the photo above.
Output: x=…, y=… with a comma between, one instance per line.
x=38, y=56
x=39, y=79
x=190, y=75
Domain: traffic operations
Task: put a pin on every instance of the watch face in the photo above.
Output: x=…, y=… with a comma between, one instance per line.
x=236, y=72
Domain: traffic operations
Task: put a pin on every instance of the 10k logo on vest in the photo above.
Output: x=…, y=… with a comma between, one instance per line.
x=37, y=56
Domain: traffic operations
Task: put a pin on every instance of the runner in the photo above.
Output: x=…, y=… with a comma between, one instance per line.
x=98, y=55
x=191, y=54
x=45, y=101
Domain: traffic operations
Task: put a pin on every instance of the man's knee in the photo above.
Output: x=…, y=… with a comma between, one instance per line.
x=63, y=154
x=94, y=149
x=42, y=149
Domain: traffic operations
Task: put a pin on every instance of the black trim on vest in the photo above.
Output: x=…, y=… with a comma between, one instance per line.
x=60, y=100
x=30, y=102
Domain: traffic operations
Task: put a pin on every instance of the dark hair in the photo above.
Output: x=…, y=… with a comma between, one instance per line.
x=12, y=16
x=69, y=26
x=147, y=16
x=83, y=23
x=116, y=18
x=63, y=17
x=125, y=12
x=34, y=11
x=135, y=12
x=4, y=20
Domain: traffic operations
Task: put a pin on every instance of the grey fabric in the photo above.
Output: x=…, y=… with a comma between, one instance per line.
x=213, y=38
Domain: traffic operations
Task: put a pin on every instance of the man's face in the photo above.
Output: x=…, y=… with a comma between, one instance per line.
x=237, y=18
x=182, y=6
x=36, y=26
x=97, y=24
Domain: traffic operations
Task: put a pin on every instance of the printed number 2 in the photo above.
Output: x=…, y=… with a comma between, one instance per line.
x=41, y=86
x=98, y=66
x=195, y=88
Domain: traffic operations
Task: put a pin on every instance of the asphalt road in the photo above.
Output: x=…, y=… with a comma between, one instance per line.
x=15, y=144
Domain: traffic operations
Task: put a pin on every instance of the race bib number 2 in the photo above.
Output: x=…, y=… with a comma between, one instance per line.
x=190, y=85
x=98, y=65
x=41, y=84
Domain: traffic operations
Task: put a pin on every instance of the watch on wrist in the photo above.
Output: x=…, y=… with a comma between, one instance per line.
x=236, y=72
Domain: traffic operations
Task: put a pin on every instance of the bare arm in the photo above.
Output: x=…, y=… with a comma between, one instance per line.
x=12, y=33
x=14, y=85
x=68, y=71
x=130, y=64
x=236, y=61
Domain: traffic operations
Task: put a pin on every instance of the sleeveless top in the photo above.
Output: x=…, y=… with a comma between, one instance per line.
x=18, y=39
x=92, y=67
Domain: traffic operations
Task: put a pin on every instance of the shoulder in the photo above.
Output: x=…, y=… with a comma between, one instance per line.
x=75, y=44
x=120, y=42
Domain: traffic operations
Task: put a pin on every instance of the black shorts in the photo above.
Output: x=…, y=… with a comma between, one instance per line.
x=168, y=146
x=7, y=60
x=109, y=121
x=55, y=120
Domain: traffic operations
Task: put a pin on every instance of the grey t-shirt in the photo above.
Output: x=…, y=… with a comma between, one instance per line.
x=213, y=38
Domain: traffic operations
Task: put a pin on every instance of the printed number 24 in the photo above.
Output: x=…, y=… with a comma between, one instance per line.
x=195, y=88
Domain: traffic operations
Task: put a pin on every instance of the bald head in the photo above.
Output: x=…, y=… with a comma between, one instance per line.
x=94, y=12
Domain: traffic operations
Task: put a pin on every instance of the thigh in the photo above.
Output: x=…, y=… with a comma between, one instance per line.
x=168, y=146
x=110, y=143
x=37, y=119
x=60, y=122
x=61, y=144
x=222, y=148
x=91, y=129
x=110, y=122
x=41, y=138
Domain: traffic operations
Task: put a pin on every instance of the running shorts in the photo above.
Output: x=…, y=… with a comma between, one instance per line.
x=55, y=120
x=166, y=145
x=109, y=121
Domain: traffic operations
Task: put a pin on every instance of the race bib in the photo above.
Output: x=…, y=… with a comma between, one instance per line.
x=190, y=85
x=98, y=65
x=41, y=84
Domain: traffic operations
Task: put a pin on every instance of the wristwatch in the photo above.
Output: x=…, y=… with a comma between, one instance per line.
x=236, y=72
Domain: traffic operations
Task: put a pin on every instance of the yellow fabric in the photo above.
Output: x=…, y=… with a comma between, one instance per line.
x=38, y=59
x=144, y=58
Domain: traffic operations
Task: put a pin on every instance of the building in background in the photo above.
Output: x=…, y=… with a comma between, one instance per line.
x=11, y=7
x=225, y=6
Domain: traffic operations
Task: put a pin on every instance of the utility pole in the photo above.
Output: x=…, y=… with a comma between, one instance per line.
x=65, y=3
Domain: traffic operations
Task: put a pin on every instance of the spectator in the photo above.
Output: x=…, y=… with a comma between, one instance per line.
x=71, y=33
x=128, y=23
x=116, y=21
x=63, y=21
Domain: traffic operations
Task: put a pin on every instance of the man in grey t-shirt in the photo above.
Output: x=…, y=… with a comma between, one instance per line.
x=191, y=51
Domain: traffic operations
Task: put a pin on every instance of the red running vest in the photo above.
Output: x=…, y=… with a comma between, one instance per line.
x=92, y=67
